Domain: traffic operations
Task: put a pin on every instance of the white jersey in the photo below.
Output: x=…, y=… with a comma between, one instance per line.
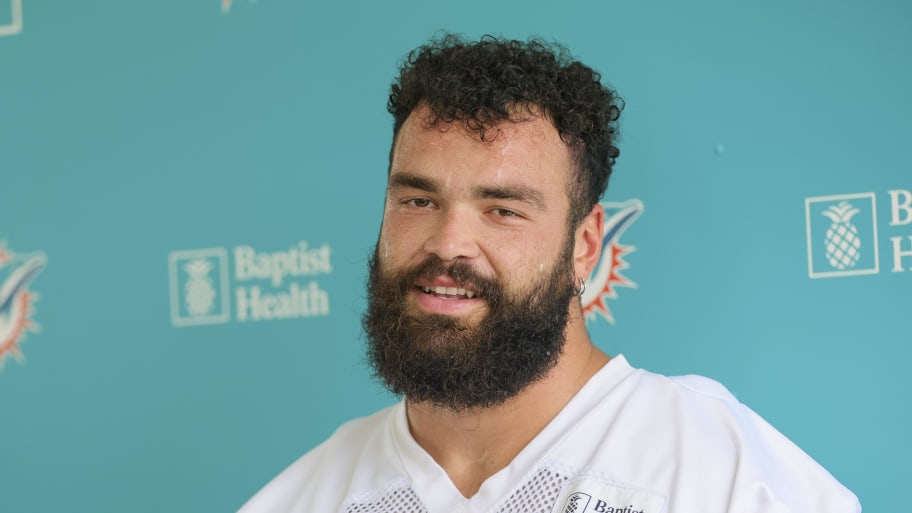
x=629, y=442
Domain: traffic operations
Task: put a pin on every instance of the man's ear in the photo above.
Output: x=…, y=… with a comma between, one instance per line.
x=588, y=242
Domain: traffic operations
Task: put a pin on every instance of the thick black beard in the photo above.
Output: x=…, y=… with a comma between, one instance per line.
x=439, y=360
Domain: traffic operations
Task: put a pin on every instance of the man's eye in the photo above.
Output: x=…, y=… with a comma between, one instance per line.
x=419, y=202
x=503, y=212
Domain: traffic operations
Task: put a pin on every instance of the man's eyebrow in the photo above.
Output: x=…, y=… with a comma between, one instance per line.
x=413, y=181
x=519, y=193
x=513, y=192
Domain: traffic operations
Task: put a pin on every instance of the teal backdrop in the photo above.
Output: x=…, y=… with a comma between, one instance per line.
x=189, y=192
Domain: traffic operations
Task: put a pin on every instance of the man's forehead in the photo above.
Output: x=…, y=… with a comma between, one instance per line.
x=524, y=155
x=529, y=134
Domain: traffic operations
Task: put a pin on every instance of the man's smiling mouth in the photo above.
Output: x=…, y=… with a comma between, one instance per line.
x=449, y=292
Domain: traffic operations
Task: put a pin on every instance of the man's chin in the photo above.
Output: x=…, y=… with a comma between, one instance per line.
x=439, y=334
x=445, y=327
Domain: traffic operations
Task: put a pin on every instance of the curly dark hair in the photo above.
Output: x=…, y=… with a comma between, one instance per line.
x=493, y=80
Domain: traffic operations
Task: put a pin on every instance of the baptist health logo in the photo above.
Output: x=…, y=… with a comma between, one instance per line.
x=10, y=24
x=265, y=286
x=587, y=495
x=579, y=503
x=842, y=233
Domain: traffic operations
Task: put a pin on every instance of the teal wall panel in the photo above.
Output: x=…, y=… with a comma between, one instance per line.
x=130, y=132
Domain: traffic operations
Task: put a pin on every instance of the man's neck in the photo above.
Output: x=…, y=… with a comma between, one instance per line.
x=473, y=445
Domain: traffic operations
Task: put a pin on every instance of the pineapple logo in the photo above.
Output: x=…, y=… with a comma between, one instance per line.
x=841, y=235
x=577, y=503
x=842, y=242
x=199, y=286
x=199, y=294
x=13, y=24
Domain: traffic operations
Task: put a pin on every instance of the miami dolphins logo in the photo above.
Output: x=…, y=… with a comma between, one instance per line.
x=607, y=276
x=16, y=300
x=226, y=5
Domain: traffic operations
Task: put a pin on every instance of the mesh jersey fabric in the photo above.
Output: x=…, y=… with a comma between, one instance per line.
x=630, y=441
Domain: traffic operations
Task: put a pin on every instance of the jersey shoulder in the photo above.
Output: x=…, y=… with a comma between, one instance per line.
x=319, y=479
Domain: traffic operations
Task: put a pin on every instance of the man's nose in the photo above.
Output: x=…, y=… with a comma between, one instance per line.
x=454, y=235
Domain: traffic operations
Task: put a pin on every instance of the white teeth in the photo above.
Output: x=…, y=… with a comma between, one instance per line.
x=449, y=291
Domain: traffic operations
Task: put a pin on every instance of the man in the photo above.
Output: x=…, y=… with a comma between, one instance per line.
x=501, y=151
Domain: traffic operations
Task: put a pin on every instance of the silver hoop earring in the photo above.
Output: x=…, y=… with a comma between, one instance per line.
x=581, y=288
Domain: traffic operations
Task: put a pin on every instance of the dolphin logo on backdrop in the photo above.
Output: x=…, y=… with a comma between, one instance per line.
x=16, y=300
x=13, y=24
x=604, y=280
x=226, y=5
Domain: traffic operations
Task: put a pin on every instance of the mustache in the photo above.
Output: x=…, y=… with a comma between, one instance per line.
x=459, y=271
